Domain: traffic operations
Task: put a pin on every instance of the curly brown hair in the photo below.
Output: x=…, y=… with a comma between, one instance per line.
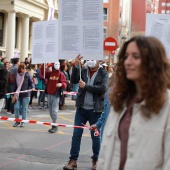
x=155, y=76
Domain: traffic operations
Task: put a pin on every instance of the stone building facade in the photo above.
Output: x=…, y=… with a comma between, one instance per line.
x=16, y=19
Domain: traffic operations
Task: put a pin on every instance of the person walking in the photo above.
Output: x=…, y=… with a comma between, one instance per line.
x=92, y=86
x=22, y=82
x=99, y=125
x=63, y=69
x=12, y=75
x=55, y=82
x=137, y=132
x=8, y=98
x=39, y=86
x=75, y=87
x=3, y=83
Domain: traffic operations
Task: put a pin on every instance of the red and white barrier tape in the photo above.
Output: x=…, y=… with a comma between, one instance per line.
x=70, y=93
x=96, y=133
x=23, y=91
x=65, y=92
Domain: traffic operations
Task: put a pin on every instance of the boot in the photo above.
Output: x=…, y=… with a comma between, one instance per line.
x=53, y=129
x=94, y=164
x=16, y=124
x=72, y=165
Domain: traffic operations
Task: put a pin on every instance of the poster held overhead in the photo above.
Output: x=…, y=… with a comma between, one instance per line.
x=81, y=29
x=158, y=25
x=45, y=42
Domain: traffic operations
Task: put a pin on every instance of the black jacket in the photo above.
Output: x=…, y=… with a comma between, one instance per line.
x=3, y=81
x=98, y=89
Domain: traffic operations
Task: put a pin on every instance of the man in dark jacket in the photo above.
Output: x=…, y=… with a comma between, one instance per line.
x=90, y=104
x=3, y=83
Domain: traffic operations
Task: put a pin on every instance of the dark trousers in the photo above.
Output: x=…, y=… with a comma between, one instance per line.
x=8, y=103
x=82, y=116
x=33, y=94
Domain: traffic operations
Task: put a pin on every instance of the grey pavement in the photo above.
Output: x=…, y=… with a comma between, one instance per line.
x=33, y=148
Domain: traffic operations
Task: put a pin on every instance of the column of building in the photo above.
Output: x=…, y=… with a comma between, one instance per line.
x=25, y=37
x=10, y=43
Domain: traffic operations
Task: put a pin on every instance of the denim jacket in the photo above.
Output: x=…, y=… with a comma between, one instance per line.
x=102, y=120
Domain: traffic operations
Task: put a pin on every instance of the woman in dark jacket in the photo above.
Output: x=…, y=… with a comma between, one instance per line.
x=3, y=83
x=23, y=82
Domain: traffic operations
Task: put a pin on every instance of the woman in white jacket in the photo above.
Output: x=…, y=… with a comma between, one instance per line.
x=137, y=131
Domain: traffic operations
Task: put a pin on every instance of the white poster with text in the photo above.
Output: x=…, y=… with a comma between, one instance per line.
x=45, y=42
x=81, y=29
x=158, y=25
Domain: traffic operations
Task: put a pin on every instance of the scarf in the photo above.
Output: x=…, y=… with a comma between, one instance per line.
x=19, y=81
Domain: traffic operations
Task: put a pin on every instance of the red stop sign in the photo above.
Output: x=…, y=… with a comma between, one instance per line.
x=110, y=44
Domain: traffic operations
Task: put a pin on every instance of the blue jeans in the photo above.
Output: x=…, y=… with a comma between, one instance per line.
x=82, y=116
x=41, y=97
x=21, y=105
x=75, y=88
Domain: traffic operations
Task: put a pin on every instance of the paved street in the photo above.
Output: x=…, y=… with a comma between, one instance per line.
x=33, y=148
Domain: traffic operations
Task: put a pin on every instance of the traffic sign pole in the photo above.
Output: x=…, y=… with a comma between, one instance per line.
x=109, y=62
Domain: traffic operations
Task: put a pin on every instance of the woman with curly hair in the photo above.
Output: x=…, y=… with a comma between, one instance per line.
x=137, y=132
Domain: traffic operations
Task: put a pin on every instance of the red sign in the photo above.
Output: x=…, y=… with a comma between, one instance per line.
x=110, y=44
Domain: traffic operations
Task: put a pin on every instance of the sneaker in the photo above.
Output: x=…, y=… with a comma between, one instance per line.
x=22, y=124
x=29, y=107
x=16, y=124
x=8, y=113
x=39, y=107
x=53, y=129
x=72, y=165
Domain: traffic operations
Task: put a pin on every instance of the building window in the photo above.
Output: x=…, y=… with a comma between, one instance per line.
x=168, y=4
x=168, y=11
x=104, y=33
x=162, y=11
x=1, y=28
x=105, y=14
x=105, y=1
x=163, y=3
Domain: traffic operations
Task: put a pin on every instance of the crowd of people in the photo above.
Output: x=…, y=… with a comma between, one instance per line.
x=130, y=107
